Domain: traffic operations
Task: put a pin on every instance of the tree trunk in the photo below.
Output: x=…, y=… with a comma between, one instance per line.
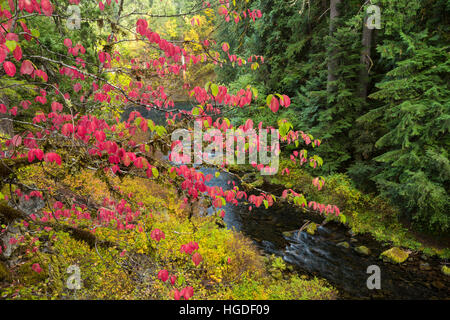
x=332, y=63
x=365, y=59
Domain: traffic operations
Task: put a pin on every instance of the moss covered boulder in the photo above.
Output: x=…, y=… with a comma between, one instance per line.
x=363, y=250
x=343, y=244
x=446, y=270
x=311, y=228
x=394, y=255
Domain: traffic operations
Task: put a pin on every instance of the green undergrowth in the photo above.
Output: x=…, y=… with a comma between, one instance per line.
x=125, y=264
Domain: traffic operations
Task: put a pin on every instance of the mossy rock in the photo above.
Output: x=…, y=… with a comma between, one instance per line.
x=363, y=250
x=311, y=228
x=343, y=244
x=258, y=183
x=4, y=272
x=394, y=255
x=446, y=270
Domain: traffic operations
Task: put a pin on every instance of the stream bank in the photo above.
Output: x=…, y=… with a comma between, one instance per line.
x=320, y=255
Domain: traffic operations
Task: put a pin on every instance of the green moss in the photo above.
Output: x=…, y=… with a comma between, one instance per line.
x=446, y=270
x=258, y=183
x=363, y=250
x=29, y=276
x=344, y=244
x=4, y=273
x=395, y=255
x=294, y=288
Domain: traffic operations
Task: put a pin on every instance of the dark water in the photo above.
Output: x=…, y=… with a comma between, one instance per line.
x=319, y=255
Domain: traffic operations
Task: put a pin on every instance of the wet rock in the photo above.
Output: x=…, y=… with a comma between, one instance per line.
x=445, y=270
x=343, y=244
x=353, y=240
x=394, y=255
x=311, y=228
x=424, y=266
x=10, y=245
x=363, y=250
x=31, y=206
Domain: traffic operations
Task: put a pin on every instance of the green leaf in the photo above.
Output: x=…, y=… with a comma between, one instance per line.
x=214, y=90
x=151, y=125
x=161, y=131
x=11, y=45
x=255, y=92
x=269, y=99
x=155, y=172
x=35, y=33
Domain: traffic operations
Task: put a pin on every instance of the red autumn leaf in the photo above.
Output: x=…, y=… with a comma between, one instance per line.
x=9, y=68
x=274, y=105
x=67, y=129
x=197, y=258
x=100, y=136
x=27, y=67
x=157, y=235
x=225, y=47
x=102, y=56
x=3, y=53
x=16, y=140
x=126, y=160
x=176, y=294
x=17, y=53
x=187, y=292
x=53, y=157
x=36, y=268
x=163, y=275
x=68, y=43
x=56, y=106
x=47, y=7
x=141, y=26
x=77, y=87
x=286, y=101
